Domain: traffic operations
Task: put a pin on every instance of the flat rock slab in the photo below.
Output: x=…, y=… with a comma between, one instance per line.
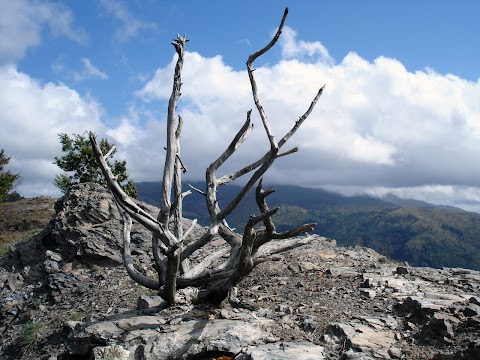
x=284, y=351
x=364, y=338
x=148, y=337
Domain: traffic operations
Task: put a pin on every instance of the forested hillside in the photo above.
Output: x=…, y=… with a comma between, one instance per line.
x=420, y=233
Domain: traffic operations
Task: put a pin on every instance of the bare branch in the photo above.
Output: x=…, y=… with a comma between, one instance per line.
x=205, y=263
x=226, y=179
x=197, y=190
x=112, y=149
x=260, y=196
x=212, y=183
x=204, y=279
x=238, y=140
x=170, y=157
x=127, y=256
x=291, y=151
x=251, y=59
x=215, y=275
x=194, y=222
x=246, y=189
x=277, y=247
x=121, y=198
x=202, y=241
x=272, y=42
x=295, y=232
x=300, y=121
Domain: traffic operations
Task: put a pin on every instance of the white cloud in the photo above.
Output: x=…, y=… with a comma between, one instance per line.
x=129, y=25
x=127, y=131
x=294, y=49
x=33, y=116
x=464, y=197
x=89, y=71
x=23, y=21
x=376, y=126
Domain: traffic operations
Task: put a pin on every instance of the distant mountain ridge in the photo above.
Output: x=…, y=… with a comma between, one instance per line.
x=415, y=203
x=403, y=229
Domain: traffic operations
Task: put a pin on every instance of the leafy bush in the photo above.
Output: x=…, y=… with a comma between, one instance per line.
x=80, y=164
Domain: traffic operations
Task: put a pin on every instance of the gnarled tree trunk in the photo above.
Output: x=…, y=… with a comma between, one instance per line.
x=170, y=253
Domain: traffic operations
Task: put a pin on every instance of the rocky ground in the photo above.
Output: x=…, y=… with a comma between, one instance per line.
x=65, y=295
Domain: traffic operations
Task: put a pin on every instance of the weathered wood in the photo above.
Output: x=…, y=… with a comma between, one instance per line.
x=250, y=61
x=214, y=275
x=127, y=256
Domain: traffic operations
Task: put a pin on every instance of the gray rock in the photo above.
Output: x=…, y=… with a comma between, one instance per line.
x=14, y=281
x=148, y=302
x=53, y=255
x=474, y=300
x=88, y=227
x=306, y=266
x=368, y=293
x=51, y=266
x=111, y=352
x=401, y=270
x=310, y=324
x=440, y=327
x=284, y=351
x=395, y=353
x=363, y=341
x=437, y=307
x=471, y=310
x=165, y=341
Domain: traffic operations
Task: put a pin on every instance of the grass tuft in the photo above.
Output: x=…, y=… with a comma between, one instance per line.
x=30, y=336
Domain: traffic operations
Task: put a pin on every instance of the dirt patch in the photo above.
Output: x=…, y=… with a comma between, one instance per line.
x=22, y=219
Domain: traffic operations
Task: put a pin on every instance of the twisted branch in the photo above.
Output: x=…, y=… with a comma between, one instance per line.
x=214, y=275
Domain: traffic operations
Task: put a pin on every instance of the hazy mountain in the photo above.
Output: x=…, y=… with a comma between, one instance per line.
x=415, y=203
x=404, y=229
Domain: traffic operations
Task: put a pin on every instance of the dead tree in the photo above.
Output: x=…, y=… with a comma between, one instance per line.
x=170, y=251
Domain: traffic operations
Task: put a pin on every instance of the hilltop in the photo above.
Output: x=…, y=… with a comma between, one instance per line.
x=65, y=294
x=420, y=233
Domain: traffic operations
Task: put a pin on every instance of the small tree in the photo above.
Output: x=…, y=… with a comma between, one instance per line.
x=80, y=162
x=8, y=180
x=224, y=268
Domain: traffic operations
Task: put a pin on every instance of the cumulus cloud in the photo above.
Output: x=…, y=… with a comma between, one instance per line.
x=294, y=49
x=34, y=114
x=377, y=126
x=129, y=25
x=23, y=21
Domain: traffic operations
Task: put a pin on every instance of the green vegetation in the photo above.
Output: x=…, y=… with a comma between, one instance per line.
x=5, y=248
x=41, y=299
x=11, y=238
x=76, y=316
x=424, y=236
x=417, y=232
x=8, y=180
x=80, y=164
x=30, y=336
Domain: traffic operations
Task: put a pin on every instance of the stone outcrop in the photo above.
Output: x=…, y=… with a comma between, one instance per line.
x=90, y=228
x=317, y=302
x=150, y=337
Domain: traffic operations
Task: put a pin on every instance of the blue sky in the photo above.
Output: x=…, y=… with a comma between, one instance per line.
x=436, y=34
x=401, y=110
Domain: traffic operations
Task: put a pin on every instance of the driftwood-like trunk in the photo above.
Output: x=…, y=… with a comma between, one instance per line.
x=170, y=254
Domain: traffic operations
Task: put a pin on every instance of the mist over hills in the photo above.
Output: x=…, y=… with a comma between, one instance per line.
x=409, y=230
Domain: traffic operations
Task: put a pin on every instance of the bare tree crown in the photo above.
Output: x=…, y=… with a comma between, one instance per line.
x=224, y=268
